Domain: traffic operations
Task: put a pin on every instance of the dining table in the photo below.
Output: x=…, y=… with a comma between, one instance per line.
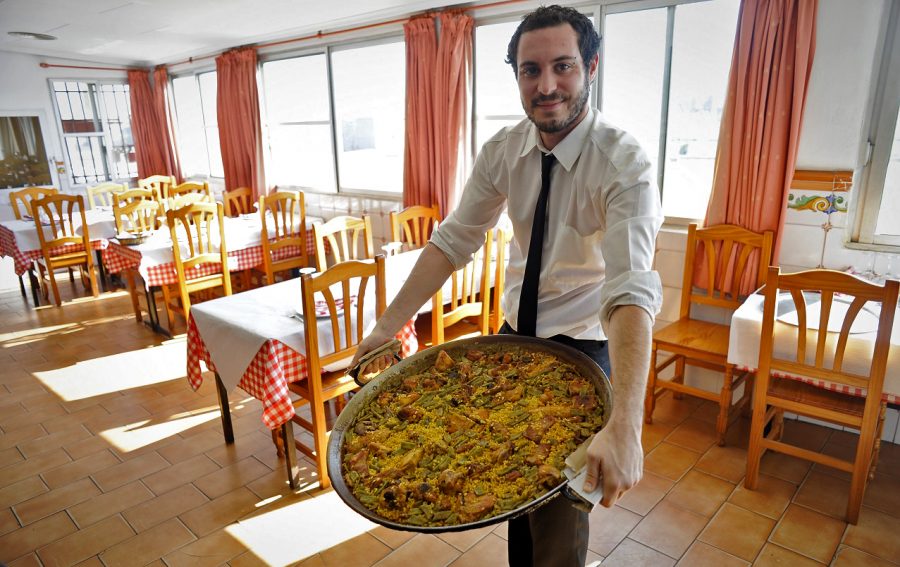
x=746, y=328
x=20, y=241
x=154, y=261
x=255, y=340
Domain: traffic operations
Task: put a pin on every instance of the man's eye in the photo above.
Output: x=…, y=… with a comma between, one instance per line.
x=528, y=71
x=563, y=67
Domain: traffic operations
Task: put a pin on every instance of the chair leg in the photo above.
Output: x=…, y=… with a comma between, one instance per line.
x=167, y=304
x=679, y=373
x=132, y=291
x=724, y=405
x=876, y=451
x=757, y=424
x=92, y=276
x=54, y=287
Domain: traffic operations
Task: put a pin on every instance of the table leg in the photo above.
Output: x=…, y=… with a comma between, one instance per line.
x=35, y=286
x=104, y=284
x=154, y=313
x=290, y=453
x=225, y=410
x=22, y=287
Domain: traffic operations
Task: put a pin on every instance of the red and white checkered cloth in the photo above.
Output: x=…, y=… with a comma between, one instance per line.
x=22, y=259
x=270, y=371
x=117, y=258
x=831, y=386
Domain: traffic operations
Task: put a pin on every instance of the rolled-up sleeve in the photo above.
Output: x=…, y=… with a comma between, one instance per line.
x=633, y=218
x=462, y=232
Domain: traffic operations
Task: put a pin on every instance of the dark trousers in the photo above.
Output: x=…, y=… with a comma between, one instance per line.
x=555, y=534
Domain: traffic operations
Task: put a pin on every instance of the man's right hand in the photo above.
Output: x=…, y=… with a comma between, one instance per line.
x=368, y=344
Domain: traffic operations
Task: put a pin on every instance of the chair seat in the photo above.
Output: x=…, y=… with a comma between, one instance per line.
x=61, y=260
x=693, y=335
x=807, y=394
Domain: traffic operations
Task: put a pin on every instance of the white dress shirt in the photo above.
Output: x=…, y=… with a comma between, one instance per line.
x=602, y=219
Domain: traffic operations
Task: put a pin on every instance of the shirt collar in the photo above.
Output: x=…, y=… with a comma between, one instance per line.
x=568, y=150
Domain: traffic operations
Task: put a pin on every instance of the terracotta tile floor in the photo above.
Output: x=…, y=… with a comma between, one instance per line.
x=108, y=458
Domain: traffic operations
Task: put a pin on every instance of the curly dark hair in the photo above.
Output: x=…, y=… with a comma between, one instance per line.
x=551, y=16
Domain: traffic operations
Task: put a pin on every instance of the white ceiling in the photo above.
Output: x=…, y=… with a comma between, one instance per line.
x=144, y=32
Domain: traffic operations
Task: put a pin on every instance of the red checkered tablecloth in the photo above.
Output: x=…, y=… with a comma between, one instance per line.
x=118, y=257
x=22, y=259
x=270, y=371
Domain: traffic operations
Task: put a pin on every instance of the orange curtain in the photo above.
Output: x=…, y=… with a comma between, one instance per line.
x=770, y=67
x=161, y=105
x=240, y=132
x=438, y=75
x=150, y=145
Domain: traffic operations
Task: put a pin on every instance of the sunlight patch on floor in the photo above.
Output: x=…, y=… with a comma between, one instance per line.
x=133, y=436
x=293, y=532
x=114, y=373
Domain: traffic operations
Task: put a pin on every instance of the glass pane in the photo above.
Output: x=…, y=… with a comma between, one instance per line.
x=497, y=94
x=23, y=157
x=86, y=158
x=369, y=98
x=208, y=90
x=191, y=135
x=296, y=90
x=701, y=59
x=634, y=60
x=215, y=153
x=75, y=108
x=890, y=198
x=301, y=155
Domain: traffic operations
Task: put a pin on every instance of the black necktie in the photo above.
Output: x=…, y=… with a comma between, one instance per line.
x=527, y=323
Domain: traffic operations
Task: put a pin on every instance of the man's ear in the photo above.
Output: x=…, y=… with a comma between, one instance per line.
x=592, y=68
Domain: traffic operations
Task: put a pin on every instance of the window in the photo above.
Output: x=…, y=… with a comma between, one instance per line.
x=96, y=128
x=198, y=130
x=880, y=178
x=23, y=157
x=369, y=89
x=298, y=112
x=664, y=80
x=497, y=102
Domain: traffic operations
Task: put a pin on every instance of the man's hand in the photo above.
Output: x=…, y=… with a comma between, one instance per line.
x=368, y=344
x=616, y=458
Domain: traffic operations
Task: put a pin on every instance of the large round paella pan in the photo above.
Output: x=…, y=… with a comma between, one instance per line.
x=377, y=455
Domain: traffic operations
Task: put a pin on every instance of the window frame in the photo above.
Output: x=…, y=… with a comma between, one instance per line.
x=883, y=115
x=195, y=74
x=105, y=135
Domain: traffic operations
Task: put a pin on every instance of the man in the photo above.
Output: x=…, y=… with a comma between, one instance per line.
x=593, y=261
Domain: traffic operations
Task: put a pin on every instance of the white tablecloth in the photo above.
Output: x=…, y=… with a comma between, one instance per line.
x=746, y=327
x=100, y=224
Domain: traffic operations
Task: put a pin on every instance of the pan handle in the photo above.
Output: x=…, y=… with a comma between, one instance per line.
x=391, y=347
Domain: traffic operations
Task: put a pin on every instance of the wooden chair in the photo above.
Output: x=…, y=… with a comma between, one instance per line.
x=413, y=227
x=104, y=193
x=159, y=184
x=21, y=199
x=135, y=211
x=501, y=243
x=343, y=235
x=694, y=342
x=54, y=218
x=469, y=295
x=820, y=355
x=196, y=224
x=326, y=376
x=238, y=201
x=188, y=193
x=283, y=216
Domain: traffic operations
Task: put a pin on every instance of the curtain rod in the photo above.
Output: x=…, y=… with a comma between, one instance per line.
x=317, y=35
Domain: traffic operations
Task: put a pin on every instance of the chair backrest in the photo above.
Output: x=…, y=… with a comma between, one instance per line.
x=131, y=209
x=503, y=236
x=190, y=187
x=414, y=225
x=283, y=216
x=812, y=296
x=334, y=286
x=238, y=201
x=469, y=294
x=21, y=199
x=343, y=235
x=201, y=228
x=727, y=250
x=104, y=193
x=159, y=184
x=55, y=220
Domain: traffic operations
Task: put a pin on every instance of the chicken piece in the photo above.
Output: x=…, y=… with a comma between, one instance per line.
x=450, y=481
x=378, y=449
x=358, y=463
x=536, y=431
x=512, y=475
x=394, y=496
x=538, y=455
x=456, y=422
x=411, y=414
x=476, y=507
x=426, y=492
x=443, y=362
x=474, y=355
x=513, y=395
x=410, y=383
x=587, y=402
x=465, y=371
x=577, y=385
x=481, y=415
x=548, y=476
x=410, y=460
x=502, y=452
x=404, y=400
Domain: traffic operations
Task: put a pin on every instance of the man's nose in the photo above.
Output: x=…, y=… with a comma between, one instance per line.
x=547, y=83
